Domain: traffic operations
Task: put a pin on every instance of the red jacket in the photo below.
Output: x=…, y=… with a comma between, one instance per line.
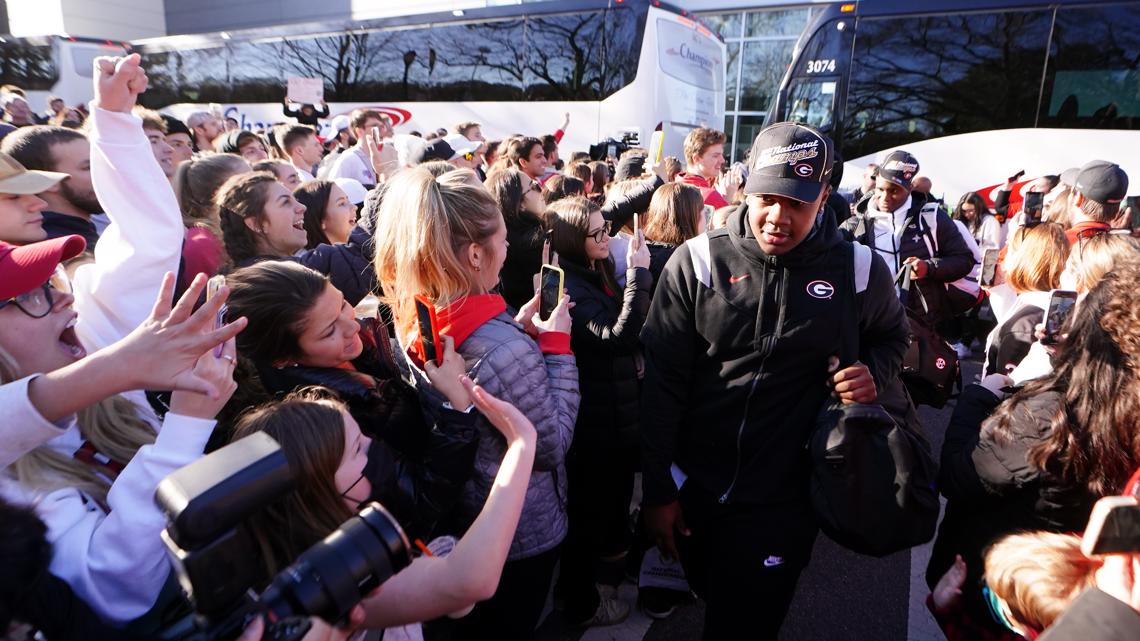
x=708, y=192
x=1073, y=233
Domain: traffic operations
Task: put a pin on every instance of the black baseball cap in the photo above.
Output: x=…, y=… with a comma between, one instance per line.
x=175, y=126
x=790, y=159
x=438, y=149
x=1102, y=181
x=900, y=168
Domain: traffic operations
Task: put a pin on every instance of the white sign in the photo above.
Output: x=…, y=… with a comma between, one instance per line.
x=306, y=91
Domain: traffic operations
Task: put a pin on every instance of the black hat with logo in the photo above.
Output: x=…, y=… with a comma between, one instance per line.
x=438, y=149
x=1102, y=181
x=900, y=168
x=790, y=159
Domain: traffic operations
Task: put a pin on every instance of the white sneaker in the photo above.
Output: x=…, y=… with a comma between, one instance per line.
x=610, y=611
x=963, y=350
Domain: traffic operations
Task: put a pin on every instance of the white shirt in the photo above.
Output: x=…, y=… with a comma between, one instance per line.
x=349, y=164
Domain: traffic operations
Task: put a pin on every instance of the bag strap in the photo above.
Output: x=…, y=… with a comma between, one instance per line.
x=905, y=282
x=848, y=333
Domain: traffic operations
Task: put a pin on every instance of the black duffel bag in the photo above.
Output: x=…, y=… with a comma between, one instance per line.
x=930, y=367
x=873, y=475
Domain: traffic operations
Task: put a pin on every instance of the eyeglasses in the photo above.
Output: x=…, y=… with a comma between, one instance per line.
x=599, y=235
x=40, y=301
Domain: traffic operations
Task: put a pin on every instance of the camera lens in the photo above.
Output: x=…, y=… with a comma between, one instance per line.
x=336, y=573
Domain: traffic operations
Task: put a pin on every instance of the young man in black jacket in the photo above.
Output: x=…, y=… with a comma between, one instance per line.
x=738, y=344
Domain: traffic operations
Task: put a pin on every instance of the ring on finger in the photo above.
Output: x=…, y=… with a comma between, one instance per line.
x=231, y=359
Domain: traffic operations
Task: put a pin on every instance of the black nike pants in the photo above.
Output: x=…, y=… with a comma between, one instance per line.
x=744, y=561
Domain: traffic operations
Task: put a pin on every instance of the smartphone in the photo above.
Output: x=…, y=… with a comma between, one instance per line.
x=1061, y=303
x=550, y=282
x=212, y=286
x=656, y=144
x=989, y=267
x=429, y=329
x=1034, y=202
x=1019, y=174
x=636, y=226
x=1114, y=527
x=611, y=151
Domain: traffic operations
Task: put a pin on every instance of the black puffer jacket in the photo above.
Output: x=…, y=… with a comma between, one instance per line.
x=604, y=337
x=348, y=265
x=417, y=469
x=993, y=489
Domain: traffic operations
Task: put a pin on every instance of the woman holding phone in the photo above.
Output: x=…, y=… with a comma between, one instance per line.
x=305, y=333
x=446, y=241
x=1041, y=459
x=602, y=461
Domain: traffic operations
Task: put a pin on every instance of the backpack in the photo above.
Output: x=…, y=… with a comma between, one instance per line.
x=872, y=473
x=930, y=365
x=963, y=294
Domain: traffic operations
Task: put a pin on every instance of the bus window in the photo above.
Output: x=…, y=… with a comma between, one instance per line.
x=764, y=64
x=28, y=66
x=928, y=76
x=624, y=28
x=732, y=71
x=812, y=102
x=1092, y=78
x=488, y=64
x=564, y=55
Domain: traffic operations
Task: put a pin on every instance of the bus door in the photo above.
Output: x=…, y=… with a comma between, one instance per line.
x=816, y=88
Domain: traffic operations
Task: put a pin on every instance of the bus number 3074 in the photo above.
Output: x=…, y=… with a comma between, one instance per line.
x=821, y=66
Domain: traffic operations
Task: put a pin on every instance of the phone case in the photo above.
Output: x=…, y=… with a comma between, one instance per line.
x=545, y=304
x=1114, y=511
x=425, y=304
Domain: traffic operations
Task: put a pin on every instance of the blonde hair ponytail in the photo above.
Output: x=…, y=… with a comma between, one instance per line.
x=424, y=225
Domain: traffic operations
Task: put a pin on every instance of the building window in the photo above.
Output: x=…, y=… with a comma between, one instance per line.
x=760, y=47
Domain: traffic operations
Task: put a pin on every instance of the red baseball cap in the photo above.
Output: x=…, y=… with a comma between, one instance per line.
x=26, y=267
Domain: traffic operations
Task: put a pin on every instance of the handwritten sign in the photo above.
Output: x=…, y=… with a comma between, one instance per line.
x=306, y=91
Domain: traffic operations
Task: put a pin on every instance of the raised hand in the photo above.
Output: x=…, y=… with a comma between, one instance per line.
x=559, y=320
x=445, y=376
x=118, y=82
x=217, y=371
x=162, y=353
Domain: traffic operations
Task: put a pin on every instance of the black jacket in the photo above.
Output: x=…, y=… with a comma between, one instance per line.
x=952, y=260
x=417, y=469
x=525, y=235
x=313, y=119
x=736, y=368
x=57, y=225
x=604, y=337
x=659, y=255
x=1014, y=338
x=992, y=488
x=348, y=265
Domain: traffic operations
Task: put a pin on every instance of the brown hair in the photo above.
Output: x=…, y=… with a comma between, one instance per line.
x=1093, y=441
x=429, y=222
x=1095, y=256
x=700, y=139
x=506, y=186
x=581, y=171
x=558, y=187
x=151, y=119
x=1035, y=265
x=292, y=135
x=601, y=176
x=674, y=214
x=309, y=426
x=275, y=296
x=1038, y=575
x=358, y=117
x=1058, y=210
x=520, y=149
x=1098, y=211
x=198, y=181
x=463, y=127
x=33, y=147
x=569, y=222
x=242, y=196
x=314, y=195
x=272, y=165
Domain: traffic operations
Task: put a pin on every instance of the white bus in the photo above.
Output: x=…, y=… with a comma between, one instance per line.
x=53, y=66
x=618, y=67
x=975, y=89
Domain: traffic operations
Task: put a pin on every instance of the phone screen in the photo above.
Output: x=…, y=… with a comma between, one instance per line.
x=427, y=332
x=1118, y=530
x=989, y=266
x=550, y=291
x=1060, y=308
x=611, y=151
x=1034, y=201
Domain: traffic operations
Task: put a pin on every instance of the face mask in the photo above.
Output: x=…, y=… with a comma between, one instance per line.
x=345, y=494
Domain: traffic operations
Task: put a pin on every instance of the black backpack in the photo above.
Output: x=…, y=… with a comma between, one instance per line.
x=872, y=472
x=930, y=367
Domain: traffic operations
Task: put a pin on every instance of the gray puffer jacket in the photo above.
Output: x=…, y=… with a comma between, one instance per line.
x=507, y=362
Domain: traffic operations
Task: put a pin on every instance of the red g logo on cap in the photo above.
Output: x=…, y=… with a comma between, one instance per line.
x=940, y=363
x=820, y=289
x=803, y=170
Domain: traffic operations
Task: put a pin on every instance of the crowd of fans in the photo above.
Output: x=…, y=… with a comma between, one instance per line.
x=690, y=350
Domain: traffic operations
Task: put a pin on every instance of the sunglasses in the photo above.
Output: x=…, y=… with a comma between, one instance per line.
x=39, y=302
x=469, y=157
x=1096, y=232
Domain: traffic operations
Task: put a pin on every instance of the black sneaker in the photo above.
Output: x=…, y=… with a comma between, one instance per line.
x=659, y=603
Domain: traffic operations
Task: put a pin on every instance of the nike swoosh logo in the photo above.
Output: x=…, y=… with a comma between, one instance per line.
x=773, y=561
x=732, y=280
